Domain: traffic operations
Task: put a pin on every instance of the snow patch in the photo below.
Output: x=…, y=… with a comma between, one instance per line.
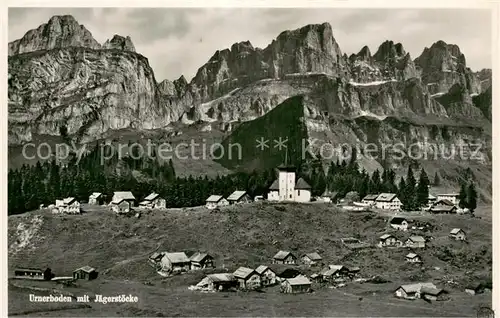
x=374, y=83
x=370, y=114
x=473, y=94
x=438, y=94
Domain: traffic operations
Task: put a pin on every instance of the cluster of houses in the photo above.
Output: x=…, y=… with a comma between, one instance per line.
x=85, y=273
x=167, y=263
x=291, y=280
x=414, y=241
x=442, y=203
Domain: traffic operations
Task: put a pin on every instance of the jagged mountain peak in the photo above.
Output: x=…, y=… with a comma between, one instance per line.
x=119, y=42
x=60, y=31
x=389, y=50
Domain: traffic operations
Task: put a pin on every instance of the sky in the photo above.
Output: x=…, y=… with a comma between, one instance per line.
x=178, y=41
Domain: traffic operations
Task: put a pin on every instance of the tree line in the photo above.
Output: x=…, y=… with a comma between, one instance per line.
x=44, y=182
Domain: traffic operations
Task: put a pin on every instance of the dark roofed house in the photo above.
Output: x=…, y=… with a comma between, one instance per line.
x=399, y=223
x=289, y=273
x=443, y=206
x=247, y=278
x=433, y=293
x=85, y=272
x=311, y=259
x=201, y=260
x=284, y=257
x=369, y=199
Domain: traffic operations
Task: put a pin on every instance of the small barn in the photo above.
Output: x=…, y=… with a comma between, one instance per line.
x=474, y=289
x=412, y=291
x=369, y=199
x=122, y=202
x=399, y=223
x=458, y=234
x=201, y=260
x=433, y=293
x=289, y=273
x=335, y=272
x=247, y=278
x=96, y=198
x=284, y=257
x=155, y=259
x=388, y=240
x=175, y=262
x=85, y=272
x=415, y=241
x=239, y=197
x=311, y=259
x=218, y=282
x=413, y=258
x=267, y=275
x=153, y=201
x=299, y=284
x=443, y=206
x=215, y=201
x=34, y=273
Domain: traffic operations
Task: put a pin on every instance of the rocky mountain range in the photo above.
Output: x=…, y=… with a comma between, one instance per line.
x=60, y=77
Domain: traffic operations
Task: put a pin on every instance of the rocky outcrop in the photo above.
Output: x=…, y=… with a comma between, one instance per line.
x=119, y=42
x=390, y=62
x=59, y=32
x=86, y=91
x=443, y=65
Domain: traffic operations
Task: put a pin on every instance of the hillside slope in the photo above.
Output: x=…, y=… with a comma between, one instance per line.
x=247, y=236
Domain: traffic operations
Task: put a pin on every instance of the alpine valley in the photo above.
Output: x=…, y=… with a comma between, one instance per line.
x=300, y=87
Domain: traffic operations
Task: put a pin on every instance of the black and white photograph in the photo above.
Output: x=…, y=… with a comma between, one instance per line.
x=182, y=161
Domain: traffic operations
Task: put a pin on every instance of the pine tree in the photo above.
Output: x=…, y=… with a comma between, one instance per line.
x=437, y=180
x=462, y=196
x=410, y=202
x=471, y=197
x=422, y=189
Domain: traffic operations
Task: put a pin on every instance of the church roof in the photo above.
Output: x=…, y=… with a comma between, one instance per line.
x=302, y=185
x=275, y=185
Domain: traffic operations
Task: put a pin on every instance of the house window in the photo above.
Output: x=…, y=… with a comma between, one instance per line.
x=290, y=196
x=298, y=193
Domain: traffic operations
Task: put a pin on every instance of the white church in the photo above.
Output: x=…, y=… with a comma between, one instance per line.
x=286, y=189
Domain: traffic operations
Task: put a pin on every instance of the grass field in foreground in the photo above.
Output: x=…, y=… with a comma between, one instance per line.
x=245, y=236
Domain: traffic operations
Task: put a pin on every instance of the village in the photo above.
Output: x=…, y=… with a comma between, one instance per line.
x=291, y=272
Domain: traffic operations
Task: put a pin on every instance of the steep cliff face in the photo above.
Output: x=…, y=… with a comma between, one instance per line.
x=87, y=91
x=119, y=42
x=67, y=79
x=59, y=32
x=443, y=65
